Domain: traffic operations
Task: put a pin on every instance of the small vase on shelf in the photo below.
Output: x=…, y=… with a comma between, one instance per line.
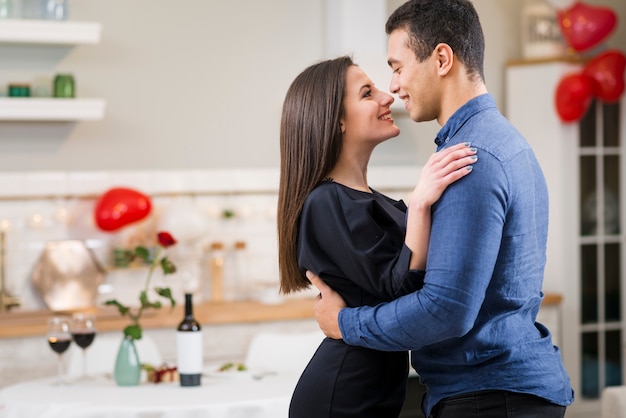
x=6, y=9
x=127, y=365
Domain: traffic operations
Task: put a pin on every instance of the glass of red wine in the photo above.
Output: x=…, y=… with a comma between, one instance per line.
x=83, y=329
x=59, y=338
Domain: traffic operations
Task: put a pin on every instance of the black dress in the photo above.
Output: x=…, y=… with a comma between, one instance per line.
x=354, y=241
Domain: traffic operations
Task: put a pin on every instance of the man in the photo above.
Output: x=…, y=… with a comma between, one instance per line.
x=471, y=328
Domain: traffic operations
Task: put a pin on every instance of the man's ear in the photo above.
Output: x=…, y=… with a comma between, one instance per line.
x=445, y=58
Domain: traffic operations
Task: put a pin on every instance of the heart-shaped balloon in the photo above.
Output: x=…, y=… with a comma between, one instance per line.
x=573, y=97
x=584, y=26
x=121, y=206
x=607, y=72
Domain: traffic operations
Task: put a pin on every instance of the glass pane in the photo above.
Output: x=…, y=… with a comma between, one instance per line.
x=589, y=366
x=611, y=195
x=610, y=114
x=589, y=284
x=588, y=199
x=612, y=283
x=613, y=367
x=587, y=127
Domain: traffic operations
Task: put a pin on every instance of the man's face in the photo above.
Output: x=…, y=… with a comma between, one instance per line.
x=415, y=83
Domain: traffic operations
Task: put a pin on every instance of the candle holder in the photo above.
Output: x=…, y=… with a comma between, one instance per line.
x=7, y=300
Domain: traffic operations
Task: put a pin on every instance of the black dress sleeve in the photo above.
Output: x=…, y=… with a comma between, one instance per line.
x=353, y=238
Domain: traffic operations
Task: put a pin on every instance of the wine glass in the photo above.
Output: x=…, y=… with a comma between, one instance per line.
x=59, y=338
x=83, y=329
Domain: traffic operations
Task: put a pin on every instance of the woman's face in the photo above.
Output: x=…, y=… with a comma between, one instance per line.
x=367, y=116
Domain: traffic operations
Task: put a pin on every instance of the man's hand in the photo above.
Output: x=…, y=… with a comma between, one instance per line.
x=327, y=306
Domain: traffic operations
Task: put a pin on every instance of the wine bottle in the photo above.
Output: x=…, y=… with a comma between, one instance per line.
x=189, y=347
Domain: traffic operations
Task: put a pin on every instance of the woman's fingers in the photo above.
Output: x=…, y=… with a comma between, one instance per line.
x=448, y=155
x=449, y=160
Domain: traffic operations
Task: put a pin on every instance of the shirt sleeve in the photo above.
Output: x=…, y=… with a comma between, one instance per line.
x=465, y=238
x=347, y=241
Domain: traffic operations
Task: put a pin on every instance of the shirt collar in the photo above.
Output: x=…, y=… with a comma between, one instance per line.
x=458, y=118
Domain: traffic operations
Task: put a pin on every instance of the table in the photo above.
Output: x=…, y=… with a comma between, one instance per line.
x=232, y=396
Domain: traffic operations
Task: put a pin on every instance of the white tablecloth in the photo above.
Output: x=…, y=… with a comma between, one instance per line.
x=238, y=396
x=614, y=402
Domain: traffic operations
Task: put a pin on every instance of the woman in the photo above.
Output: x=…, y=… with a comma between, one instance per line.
x=332, y=223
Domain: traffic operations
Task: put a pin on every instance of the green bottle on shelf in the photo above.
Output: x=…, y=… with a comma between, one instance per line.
x=64, y=86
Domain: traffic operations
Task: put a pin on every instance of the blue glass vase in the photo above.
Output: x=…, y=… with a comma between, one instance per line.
x=127, y=365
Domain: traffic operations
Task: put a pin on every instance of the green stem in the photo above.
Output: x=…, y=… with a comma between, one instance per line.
x=153, y=265
x=135, y=318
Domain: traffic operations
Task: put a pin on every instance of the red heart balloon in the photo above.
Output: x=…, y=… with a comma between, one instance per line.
x=573, y=97
x=607, y=72
x=119, y=207
x=584, y=26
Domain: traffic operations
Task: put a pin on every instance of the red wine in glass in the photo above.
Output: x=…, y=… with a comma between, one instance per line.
x=59, y=345
x=83, y=328
x=84, y=339
x=59, y=339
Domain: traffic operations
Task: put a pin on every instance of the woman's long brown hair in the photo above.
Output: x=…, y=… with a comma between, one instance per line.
x=310, y=142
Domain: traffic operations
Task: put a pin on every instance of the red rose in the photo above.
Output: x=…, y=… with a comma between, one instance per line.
x=166, y=239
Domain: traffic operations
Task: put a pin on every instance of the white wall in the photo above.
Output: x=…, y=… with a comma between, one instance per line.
x=188, y=84
x=199, y=84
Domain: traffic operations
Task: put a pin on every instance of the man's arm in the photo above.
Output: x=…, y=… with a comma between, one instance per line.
x=455, y=285
x=442, y=169
x=327, y=306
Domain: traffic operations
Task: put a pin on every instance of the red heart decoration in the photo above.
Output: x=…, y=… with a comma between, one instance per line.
x=584, y=26
x=573, y=97
x=607, y=72
x=119, y=207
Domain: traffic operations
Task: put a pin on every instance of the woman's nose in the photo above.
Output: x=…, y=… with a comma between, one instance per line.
x=386, y=99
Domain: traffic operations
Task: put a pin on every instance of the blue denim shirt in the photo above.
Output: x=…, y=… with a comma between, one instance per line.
x=473, y=324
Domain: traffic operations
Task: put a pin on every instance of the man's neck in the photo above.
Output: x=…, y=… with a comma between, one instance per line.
x=457, y=92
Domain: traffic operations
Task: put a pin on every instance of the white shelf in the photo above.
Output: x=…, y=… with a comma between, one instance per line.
x=48, y=109
x=49, y=32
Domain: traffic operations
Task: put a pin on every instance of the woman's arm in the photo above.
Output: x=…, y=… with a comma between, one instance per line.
x=442, y=169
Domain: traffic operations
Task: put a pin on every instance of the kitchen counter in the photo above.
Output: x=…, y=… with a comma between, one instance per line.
x=23, y=324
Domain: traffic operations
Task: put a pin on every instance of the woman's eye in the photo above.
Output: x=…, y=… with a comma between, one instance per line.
x=367, y=93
